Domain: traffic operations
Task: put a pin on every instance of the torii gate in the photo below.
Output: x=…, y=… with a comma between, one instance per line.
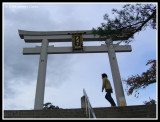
x=77, y=38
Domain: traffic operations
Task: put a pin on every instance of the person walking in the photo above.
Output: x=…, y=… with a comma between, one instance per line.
x=108, y=88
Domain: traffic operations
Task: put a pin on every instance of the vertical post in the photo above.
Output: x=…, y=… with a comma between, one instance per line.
x=83, y=102
x=116, y=74
x=39, y=97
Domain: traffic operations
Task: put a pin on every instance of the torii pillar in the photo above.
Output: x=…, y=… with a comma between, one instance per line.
x=39, y=98
x=121, y=101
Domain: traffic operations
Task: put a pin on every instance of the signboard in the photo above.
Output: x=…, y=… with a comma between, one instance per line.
x=77, y=41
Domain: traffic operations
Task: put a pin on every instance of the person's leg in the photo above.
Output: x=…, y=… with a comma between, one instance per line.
x=109, y=97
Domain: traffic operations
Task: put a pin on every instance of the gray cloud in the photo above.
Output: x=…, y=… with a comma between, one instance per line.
x=20, y=68
x=59, y=69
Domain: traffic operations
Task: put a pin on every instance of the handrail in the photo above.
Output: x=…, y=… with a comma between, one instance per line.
x=88, y=105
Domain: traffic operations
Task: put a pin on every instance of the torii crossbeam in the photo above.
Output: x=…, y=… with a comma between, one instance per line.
x=77, y=38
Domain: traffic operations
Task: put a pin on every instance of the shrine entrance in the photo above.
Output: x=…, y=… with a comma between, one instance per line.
x=77, y=38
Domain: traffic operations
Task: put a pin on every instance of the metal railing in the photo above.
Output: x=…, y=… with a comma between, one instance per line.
x=88, y=107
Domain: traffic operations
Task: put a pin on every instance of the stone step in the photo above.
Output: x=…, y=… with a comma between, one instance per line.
x=139, y=111
x=59, y=113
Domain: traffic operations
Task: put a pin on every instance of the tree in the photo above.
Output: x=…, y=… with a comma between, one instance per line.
x=137, y=82
x=49, y=105
x=130, y=20
x=151, y=102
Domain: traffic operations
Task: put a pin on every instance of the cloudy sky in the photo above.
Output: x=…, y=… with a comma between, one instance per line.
x=67, y=74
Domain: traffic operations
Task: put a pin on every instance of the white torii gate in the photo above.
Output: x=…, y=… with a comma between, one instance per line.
x=45, y=37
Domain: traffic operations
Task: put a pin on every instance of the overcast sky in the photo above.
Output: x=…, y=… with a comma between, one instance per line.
x=67, y=74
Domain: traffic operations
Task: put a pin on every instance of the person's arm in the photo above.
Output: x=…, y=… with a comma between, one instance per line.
x=103, y=85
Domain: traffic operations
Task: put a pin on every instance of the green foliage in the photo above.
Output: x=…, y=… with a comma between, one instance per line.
x=136, y=82
x=130, y=20
x=49, y=106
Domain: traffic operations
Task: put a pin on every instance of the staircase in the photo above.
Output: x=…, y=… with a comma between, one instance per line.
x=140, y=111
x=55, y=113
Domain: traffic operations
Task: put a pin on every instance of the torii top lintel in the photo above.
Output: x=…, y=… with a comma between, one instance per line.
x=60, y=36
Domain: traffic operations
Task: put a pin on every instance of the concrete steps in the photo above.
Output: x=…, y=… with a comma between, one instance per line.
x=140, y=111
x=56, y=113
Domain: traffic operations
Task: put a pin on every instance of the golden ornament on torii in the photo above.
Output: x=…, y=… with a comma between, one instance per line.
x=77, y=41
